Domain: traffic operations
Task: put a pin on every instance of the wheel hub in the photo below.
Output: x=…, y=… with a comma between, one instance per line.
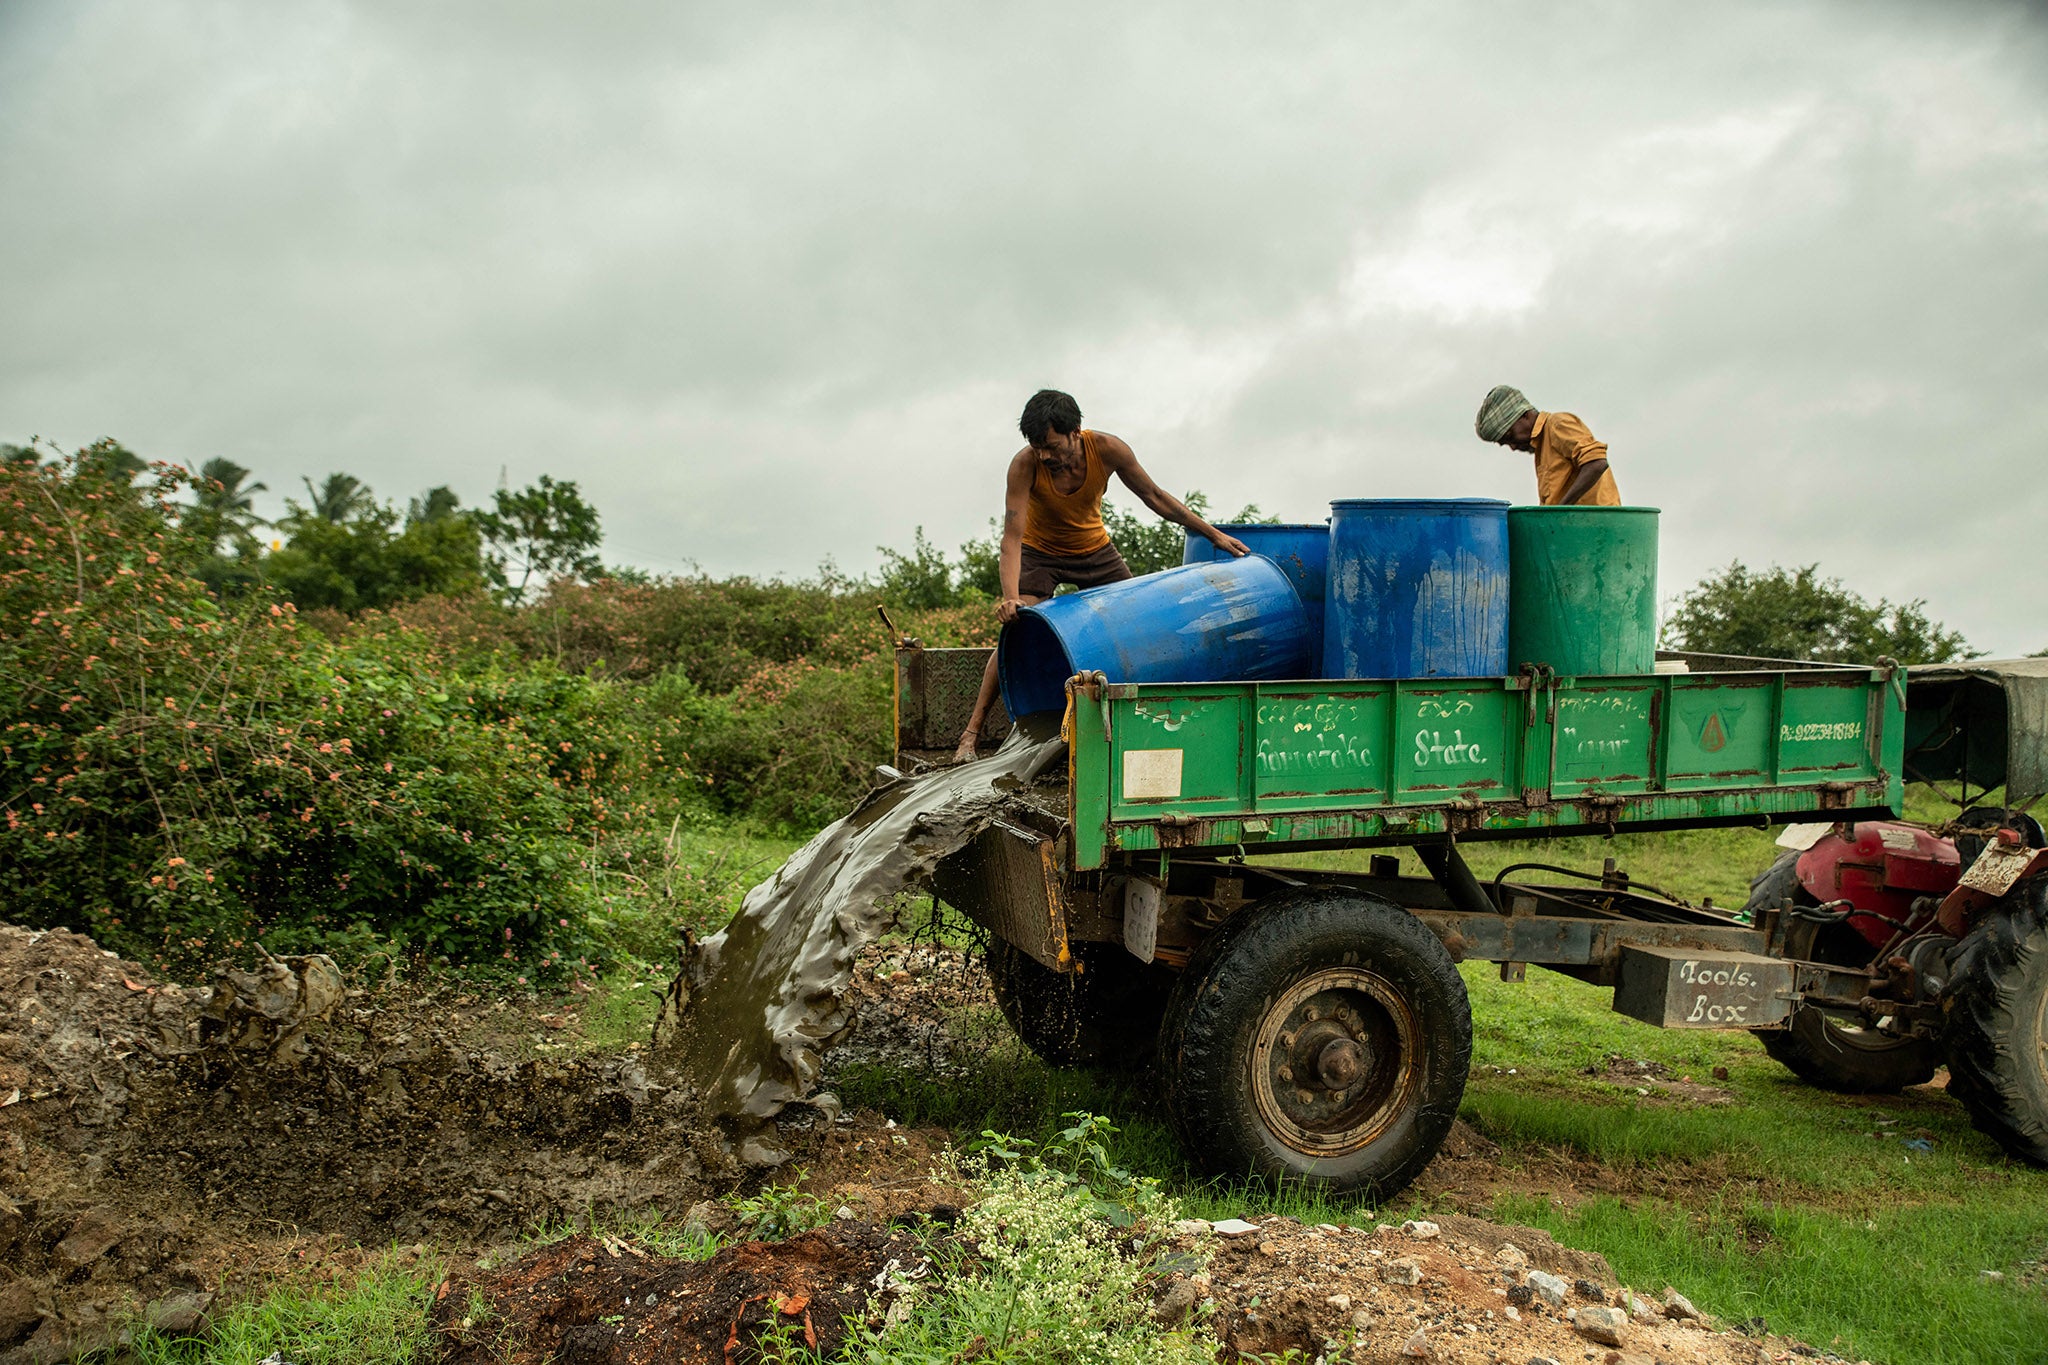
x=1333, y=1060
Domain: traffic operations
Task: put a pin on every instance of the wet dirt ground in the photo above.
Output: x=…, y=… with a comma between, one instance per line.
x=165, y=1153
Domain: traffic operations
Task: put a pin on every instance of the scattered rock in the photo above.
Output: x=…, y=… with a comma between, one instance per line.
x=1340, y=1302
x=1521, y=1295
x=1417, y=1344
x=180, y=1315
x=1402, y=1270
x=1992, y=1275
x=1191, y=1227
x=1421, y=1229
x=1548, y=1287
x=90, y=1238
x=1542, y=1360
x=1175, y=1302
x=1678, y=1307
x=1232, y=1227
x=708, y=1217
x=20, y=1310
x=1588, y=1290
x=1512, y=1259
x=1638, y=1307
x=1601, y=1324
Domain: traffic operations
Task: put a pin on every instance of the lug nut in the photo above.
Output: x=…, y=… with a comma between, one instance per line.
x=1286, y=1073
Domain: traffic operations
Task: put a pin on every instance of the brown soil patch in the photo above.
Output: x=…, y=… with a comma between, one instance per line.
x=1335, y=1292
x=1655, y=1080
x=155, y=1140
x=590, y=1302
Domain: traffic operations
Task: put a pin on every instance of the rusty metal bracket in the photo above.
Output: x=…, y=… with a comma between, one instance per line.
x=2004, y=862
x=1096, y=685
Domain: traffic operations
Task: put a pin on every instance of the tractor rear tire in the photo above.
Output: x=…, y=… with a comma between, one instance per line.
x=1321, y=1037
x=1997, y=1006
x=1106, y=1015
x=1825, y=1050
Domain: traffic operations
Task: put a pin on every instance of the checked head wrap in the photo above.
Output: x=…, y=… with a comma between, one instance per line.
x=1504, y=403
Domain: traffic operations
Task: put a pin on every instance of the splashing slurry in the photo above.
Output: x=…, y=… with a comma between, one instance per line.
x=756, y=1004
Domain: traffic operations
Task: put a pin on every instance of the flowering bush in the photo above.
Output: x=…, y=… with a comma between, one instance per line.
x=1054, y=1260
x=181, y=776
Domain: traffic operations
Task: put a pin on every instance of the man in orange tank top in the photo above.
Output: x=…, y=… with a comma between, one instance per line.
x=1052, y=520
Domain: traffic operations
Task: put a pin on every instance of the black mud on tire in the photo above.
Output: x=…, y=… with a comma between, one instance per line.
x=1847, y=1061
x=1997, y=1008
x=1106, y=1015
x=1236, y=1020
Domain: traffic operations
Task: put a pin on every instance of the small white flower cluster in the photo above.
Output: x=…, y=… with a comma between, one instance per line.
x=1055, y=1266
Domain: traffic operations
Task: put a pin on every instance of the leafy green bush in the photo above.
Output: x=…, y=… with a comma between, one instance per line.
x=181, y=776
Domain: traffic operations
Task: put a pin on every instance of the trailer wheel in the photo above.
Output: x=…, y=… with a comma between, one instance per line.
x=1830, y=1051
x=1320, y=1036
x=1997, y=1006
x=1106, y=1015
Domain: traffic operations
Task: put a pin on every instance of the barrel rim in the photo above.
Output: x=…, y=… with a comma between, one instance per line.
x=1428, y=504
x=1322, y=525
x=1577, y=507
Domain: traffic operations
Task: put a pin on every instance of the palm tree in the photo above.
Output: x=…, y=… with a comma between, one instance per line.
x=433, y=505
x=224, y=505
x=339, y=498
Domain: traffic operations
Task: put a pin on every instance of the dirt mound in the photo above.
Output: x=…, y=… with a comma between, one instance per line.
x=593, y=1302
x=156, y=1137
x=1459, y=1289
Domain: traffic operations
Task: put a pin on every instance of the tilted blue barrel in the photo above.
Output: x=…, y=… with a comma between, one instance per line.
x=1302, y=551
x=1418, y=588
x=1231, y=621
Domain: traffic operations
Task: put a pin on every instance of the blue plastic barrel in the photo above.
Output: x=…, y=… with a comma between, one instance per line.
x=1418, y=588
x=1302, y=551
x=1233, y=620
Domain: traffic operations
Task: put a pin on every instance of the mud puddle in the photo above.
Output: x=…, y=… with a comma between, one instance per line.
x=755, y=1006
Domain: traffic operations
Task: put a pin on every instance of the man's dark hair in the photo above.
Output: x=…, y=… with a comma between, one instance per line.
x=1048, y=411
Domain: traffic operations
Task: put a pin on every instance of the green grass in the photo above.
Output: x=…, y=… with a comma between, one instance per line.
x=378, y=1318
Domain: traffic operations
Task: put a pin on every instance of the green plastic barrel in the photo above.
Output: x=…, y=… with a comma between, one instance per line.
x=1582, y=589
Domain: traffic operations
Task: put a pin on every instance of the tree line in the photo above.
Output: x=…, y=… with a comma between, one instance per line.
x=344, y=549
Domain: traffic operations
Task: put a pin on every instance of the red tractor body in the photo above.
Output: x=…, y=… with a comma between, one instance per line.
x=1882, y=868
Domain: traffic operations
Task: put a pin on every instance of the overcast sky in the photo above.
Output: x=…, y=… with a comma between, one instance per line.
x=772, y=283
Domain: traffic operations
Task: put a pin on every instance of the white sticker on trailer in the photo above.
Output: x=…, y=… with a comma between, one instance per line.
x=1151, y=774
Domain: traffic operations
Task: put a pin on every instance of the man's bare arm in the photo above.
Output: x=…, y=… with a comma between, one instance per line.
x=1010, y=558
x=1124, y=464
x=1583, y=479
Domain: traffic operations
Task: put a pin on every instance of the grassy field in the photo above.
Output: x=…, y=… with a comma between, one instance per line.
x=1864, y=1225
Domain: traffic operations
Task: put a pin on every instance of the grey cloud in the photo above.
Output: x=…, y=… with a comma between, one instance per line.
x=773, y=286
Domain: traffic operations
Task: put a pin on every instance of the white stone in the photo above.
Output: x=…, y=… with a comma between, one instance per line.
x=1421, y=1229
x=1402, y=1270
x=1191, y=1227
x=1600, y=1323
x=1340, y=1302
x=1232, y=1227
x=1548, y=1287
x=1677, y=1305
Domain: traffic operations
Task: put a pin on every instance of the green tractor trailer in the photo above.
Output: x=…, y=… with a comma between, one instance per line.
x=1313, y=1025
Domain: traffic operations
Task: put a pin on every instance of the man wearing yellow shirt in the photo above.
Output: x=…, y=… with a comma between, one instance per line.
x=1571, y=464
